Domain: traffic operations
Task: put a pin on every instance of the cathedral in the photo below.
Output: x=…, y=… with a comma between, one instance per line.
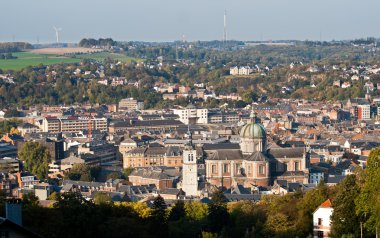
x=252, y=163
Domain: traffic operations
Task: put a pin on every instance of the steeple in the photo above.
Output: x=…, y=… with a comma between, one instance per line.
x=189, y=143
x=189, y=168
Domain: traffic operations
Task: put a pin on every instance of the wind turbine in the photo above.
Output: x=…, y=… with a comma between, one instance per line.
x=57, y=30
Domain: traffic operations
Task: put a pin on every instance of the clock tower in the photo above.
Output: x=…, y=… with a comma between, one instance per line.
x=190, y=168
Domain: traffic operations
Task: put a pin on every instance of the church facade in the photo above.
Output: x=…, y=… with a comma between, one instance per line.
x=253, y=164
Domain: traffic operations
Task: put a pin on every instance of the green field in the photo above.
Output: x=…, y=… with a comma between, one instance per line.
x=25, y=59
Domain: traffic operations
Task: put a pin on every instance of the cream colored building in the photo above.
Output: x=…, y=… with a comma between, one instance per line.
x=130, y=104
x=192, y=115
x=73, y=124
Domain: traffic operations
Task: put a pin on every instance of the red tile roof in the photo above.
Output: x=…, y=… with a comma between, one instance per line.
x=326, y=204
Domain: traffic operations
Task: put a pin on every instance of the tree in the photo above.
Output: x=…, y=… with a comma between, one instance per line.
x=30, y=199
x=240, y=104
x=102, y=198
x=7, y=125
x=140, y=208
x=351, y=156
x=307, y=205
x=12, y=113
x=114, y=175
x=344, y=219
x=83, y=172
x=178, y=211
x=248, y=218
x=218, y=216
x=250, y=96
x=36, y=159
x=54, y=196
x=368, y=201
x=196, y=211
x=127, y=172
x=158, y=218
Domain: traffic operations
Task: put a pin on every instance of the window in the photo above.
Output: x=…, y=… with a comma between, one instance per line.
x=296, y=166
x=261, y=169
x=320, y=234
x=190, y=157
x=320, y=221
x=213, y=168
x=249, y=169
x=237, y=169
x=226, y=168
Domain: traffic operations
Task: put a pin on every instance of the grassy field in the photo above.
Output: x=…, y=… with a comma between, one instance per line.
x=25, y=59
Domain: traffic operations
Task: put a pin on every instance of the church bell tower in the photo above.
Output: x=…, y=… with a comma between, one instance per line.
x=190, y=168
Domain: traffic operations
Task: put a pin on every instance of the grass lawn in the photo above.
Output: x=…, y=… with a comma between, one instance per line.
x=25, y=59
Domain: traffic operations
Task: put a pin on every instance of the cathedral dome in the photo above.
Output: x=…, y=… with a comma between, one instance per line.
x=253, y=130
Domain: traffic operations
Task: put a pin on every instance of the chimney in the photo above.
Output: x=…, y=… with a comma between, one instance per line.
x=13, y=210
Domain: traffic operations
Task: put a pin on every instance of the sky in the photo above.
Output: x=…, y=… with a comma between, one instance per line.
x=169, y=20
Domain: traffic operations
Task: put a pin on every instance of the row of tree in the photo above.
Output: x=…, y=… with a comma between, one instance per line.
x=9, y=47
x=90, y=42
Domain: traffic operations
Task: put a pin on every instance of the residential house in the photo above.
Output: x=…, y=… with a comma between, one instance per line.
x=322, y=220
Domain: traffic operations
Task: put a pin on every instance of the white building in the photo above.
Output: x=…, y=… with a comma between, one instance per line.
x=190, y=169
x=322, y=220
x=364, y=112
x=234, y=71
x=192, y=115
x=245, y=70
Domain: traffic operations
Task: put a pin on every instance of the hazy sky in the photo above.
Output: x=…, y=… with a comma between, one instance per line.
x=168, y=20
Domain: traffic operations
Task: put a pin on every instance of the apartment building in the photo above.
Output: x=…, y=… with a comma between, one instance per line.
x=192, y=115
x=130, y=104
x=73, y=124
x=216, y=117
x=364, y=112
